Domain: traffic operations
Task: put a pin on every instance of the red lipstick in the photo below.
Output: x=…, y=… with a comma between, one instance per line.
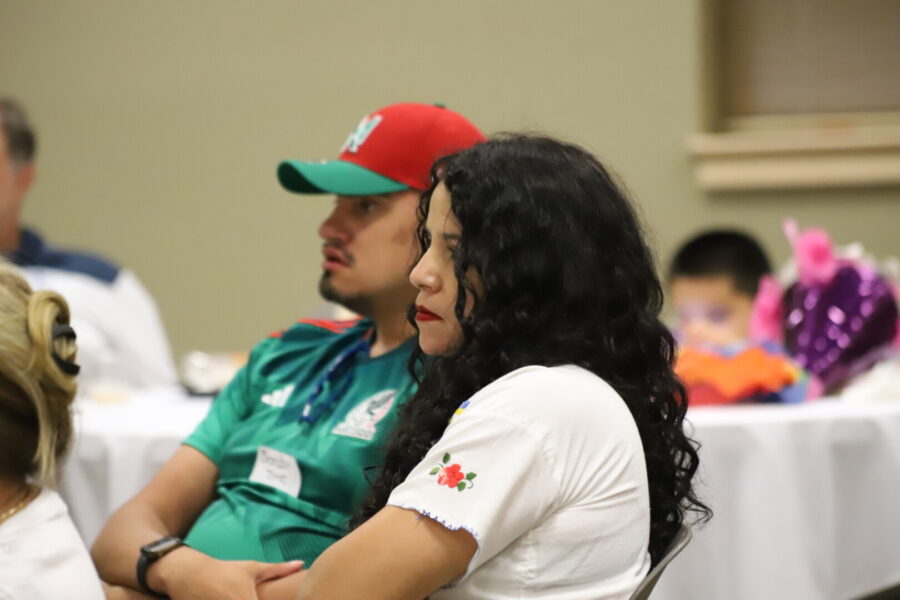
x=423, y=314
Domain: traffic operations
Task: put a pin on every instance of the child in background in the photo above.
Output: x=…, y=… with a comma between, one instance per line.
x=42, y=556
x=713, y=280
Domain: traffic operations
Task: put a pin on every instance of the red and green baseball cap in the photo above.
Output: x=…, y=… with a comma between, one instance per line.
x=392, y=149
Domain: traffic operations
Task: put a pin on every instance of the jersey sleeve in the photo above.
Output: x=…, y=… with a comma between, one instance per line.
x=488, y=475
x=232, y=405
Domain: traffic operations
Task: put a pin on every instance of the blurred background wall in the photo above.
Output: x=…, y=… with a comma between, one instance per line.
x=161, y=123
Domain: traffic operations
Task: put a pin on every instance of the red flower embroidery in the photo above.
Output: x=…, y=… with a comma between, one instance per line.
x=451, y=476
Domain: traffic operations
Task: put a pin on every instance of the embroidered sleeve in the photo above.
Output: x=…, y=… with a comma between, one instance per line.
x=487, y=475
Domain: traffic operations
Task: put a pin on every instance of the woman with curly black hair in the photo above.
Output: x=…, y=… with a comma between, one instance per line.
x=543, y=455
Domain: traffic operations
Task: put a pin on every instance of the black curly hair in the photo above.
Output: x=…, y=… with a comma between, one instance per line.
x=566, y=278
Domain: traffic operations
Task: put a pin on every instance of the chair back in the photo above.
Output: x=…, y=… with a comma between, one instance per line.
x=681, y=540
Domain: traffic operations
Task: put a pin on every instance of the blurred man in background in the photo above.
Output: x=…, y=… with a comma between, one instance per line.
x=121, y=338
x=277, y=468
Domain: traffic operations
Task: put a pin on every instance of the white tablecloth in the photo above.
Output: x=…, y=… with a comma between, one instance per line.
x=119, y=447
x=806, y=501
x=806, y=498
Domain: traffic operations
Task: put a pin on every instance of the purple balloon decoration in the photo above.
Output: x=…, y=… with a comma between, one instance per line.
x=841, y=327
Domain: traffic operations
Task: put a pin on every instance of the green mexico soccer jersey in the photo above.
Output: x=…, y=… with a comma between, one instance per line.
x=292, y=435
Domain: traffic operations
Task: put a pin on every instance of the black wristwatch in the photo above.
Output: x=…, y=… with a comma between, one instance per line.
x=151, y=553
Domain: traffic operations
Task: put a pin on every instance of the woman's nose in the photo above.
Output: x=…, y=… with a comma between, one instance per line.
x=423, y=277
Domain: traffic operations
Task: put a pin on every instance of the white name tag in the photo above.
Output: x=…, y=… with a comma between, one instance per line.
x=277, y=469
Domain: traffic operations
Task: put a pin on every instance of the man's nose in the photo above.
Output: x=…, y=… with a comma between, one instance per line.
x=334, y=228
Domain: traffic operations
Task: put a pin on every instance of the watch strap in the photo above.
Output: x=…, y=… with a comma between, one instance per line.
x=143, y=563
x=149, y=555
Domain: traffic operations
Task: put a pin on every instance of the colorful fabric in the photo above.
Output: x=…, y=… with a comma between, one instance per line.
x=292, y=435
x=758, y=373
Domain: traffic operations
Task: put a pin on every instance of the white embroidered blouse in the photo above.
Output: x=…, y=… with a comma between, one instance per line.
x=545, y=468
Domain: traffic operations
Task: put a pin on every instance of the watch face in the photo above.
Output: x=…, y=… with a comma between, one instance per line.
x=161, y=547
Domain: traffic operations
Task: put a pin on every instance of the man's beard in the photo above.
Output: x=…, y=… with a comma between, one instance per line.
x=361, y=305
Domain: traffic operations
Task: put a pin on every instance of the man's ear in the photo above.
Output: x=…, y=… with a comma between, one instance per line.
x=25, y=176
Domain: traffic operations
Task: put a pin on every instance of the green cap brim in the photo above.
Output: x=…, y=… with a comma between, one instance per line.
x=334, y=177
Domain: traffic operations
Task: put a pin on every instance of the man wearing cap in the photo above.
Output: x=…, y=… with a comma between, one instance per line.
x=277, y=468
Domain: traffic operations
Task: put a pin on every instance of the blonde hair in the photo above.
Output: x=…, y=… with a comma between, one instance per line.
x=35, y=394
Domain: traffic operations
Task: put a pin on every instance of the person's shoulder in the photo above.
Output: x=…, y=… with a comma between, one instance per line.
x=49, y=537
x=84, y=263
x=36, y=253
x=536, y=385
x=312, y=333
x=42, y=514
x=49, y=503
x=322, y=330
x=543, y=396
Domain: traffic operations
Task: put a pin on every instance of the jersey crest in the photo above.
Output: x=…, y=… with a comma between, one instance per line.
x=278, y=398
x=362, y=421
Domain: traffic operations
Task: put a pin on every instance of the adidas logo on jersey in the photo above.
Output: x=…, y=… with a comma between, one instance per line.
x=278, y=398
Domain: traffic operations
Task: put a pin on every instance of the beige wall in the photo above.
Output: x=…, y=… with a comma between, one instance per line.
x=161, y=124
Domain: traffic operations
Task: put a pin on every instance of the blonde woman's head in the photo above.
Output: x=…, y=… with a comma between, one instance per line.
x=37, y=379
